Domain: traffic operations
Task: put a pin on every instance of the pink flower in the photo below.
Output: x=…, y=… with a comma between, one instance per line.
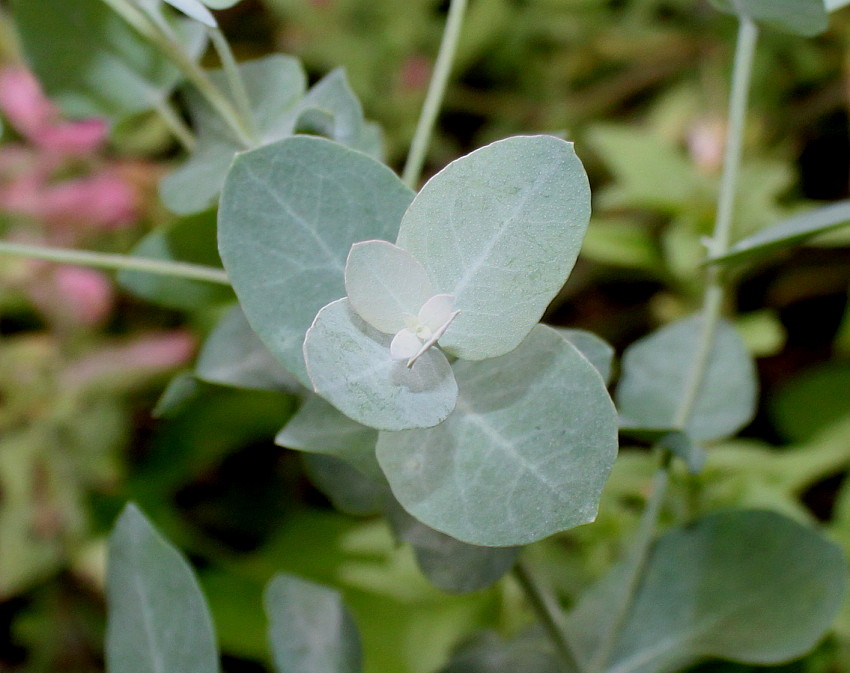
x=84, y=295
x=101, y=201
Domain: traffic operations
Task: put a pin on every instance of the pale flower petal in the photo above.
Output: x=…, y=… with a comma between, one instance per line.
x=404, y=345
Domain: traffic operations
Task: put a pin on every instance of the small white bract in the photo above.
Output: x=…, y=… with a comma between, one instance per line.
x=423, y=330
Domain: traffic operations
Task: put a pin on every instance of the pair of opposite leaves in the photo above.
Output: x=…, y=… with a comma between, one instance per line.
x=481, y=251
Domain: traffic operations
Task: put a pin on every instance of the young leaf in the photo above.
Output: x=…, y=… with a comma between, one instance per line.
x=190, y=239
x=275, y=85
x=91, y=62
x=310, y=630
x=789, y=233
x=801, y=17
x=317, y=427
x=385, y=284
x=450, y=565
x=289, y=215
x=751, y=586
x=597, y=350
x=349, y=364
x=656, y=372
x=524, y=455
x=500, y=230
x=158, y=619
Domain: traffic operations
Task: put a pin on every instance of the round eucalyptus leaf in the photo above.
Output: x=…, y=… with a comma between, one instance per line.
x=289, y=215
x=349, y=364
x=500, y=229
x=525, y=453
x=656, y=372
x=594, y=348
x=385, y=284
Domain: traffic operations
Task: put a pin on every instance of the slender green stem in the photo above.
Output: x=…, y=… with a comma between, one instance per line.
x=550, y=615
x=175, y=124
x=238, y=90
x=436, y=92
x=163, y=37
x=714, y=290
x=117, y=262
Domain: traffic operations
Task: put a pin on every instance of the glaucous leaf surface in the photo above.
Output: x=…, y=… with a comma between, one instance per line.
x=525, y=453
x=500, y=230
x=801, y=17
x=348, y=489
x=275, y=85
x=489, y=653
x=655, y=372
x=310, y=630
x=833, y=5
x=594, y=348
x=190, y=239
x=450, y=565
x=233, y=355
x=385, y=284
x=158, y=619
x=789, y=233
x=751, y=586
x=349, y=364
x=289, y=215
x=317, y=427
x=91, y=62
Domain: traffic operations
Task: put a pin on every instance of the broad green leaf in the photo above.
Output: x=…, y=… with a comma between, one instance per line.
x=500, y=230
x=290, y=213
x=597, y=350
x=310, y=630
x=317, y=427
x=450, y=565
x=233, y=355
x=489, y=653
x=349, y=364
x=524, y=455
x=801, y=17
x=275, y=85
x=348, y=489
x=385, y=284
x=342, y=113
x=656, y=371
x=191, y=239
x=158, y=619
x=789, y=233
x=675, y=441
x=751, y=586
x=195, y=9
x=91, y=62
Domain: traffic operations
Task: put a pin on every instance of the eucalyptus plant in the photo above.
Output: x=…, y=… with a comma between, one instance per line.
x=406, y=320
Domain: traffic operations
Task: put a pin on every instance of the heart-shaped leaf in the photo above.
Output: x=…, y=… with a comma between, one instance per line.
x=289, y=215
x=500, y=229
x=158, y=619
x=349, y=364
x=524, y=455
x=310, y=630
x=657, y=369
x=751, y=586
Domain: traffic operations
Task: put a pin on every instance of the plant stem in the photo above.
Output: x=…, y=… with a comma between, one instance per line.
x=175, y=124
x=234, y=78
x=163, y=37
x=714, y=290
x=117, y=262
x=550, y=615
x=436, y=92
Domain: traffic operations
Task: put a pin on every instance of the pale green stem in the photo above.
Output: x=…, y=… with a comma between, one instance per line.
x=711, y=312
x=549, y=614
x=116, y=262
x=436, y=92
x=234, y=78
x=175, y=124
x=164, y=38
